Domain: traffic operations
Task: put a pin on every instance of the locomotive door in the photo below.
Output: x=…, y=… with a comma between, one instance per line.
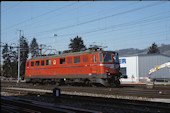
x=93, y=65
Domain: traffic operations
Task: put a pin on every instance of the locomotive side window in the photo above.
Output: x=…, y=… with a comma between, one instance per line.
x=77, y=59
x=85, y=58
x=37, y=63
x=27, y=64
x=69, y=60
x=32, y=63
x=100, y=57
x=62, y=60
x=42, y=62
x=48, y=62
x=94, y=58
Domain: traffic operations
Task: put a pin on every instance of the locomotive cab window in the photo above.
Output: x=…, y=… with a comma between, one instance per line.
x=32, y=63
x=37, y=63
x=48, y=62
x=42, y=62
x=62, y=60
x=77, y=59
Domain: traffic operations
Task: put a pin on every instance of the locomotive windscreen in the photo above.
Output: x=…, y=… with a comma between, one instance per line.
x=107, y=57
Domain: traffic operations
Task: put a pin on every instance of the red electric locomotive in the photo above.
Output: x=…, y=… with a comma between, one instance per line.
x=87, y=66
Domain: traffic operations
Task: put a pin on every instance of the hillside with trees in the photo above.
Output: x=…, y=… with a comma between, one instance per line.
x=163, y=49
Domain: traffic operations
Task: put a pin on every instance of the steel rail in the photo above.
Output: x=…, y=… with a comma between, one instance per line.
x=17, y=104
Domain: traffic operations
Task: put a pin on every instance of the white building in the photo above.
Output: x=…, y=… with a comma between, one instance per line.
x=137, y=67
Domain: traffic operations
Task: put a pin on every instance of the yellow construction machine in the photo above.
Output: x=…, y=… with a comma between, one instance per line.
x=150, y=83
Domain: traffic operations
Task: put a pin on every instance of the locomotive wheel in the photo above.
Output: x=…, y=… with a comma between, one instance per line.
x=93, y=85
x=117, y=83
x=114, y=83
x=87, y=83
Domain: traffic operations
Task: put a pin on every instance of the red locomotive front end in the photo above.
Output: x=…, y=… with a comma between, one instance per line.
x=109, y=64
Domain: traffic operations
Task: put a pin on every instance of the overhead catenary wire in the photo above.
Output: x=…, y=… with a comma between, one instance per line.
x=94, y=31
x=62, y=28
x=94, y=20
x=65, y=20
x=118, y=40
x=117, y=28
x=11, y=7
x=46, y=13
x=113, y=8
x=132, y=23
x=122, y=29
x=62, y=13
x=145, y=20
x=29, y=25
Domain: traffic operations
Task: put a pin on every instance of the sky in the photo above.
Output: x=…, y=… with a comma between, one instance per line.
x=112, y=24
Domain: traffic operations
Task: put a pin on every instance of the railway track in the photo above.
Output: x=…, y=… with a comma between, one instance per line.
x=17, y=105
x=103, y=104
x=125, y=90
x=72, y=96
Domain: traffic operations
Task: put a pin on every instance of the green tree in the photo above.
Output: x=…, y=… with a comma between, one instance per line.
x=10, y=56
x=34, y=48
x=77, y=44
x=6, y=62
x=153, y=49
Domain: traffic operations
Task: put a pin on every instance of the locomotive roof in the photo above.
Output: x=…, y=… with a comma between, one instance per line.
x=68, y=54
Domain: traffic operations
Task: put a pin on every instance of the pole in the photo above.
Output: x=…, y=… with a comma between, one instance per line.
x=0, y=46
x=0, y=55
x=19, y=57
x=40, y=49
